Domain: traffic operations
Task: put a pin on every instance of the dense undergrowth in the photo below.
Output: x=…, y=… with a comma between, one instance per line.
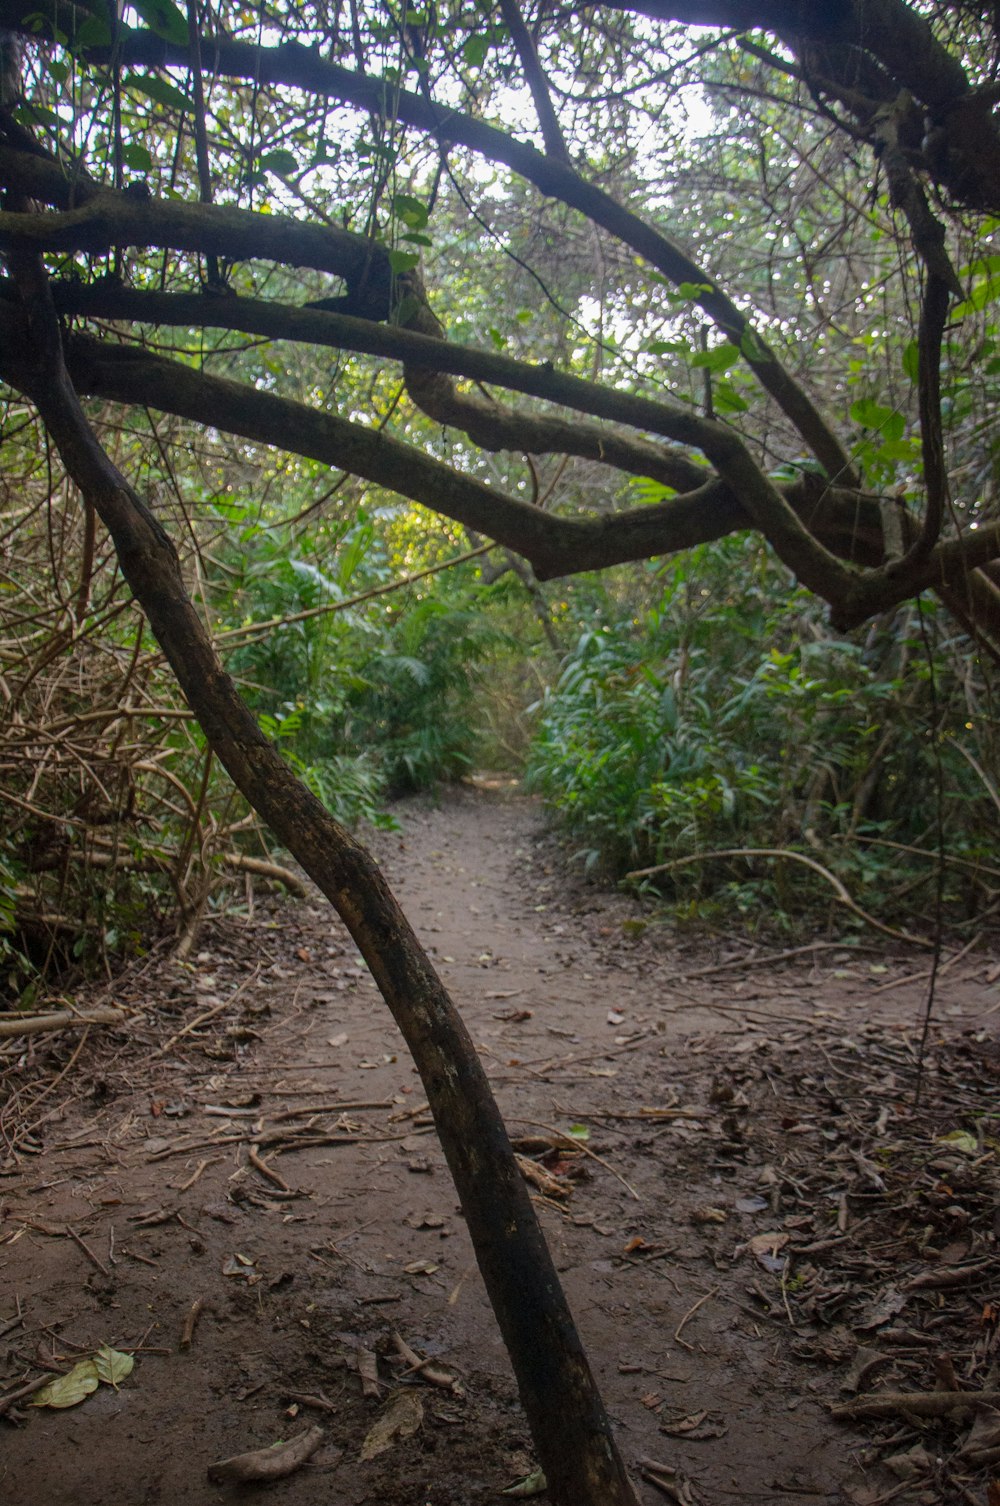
x=681, y=714
x=725, y=716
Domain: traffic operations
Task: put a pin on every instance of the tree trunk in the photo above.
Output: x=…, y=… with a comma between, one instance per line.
x=571, y=1430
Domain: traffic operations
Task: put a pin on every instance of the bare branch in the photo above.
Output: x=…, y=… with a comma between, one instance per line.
x=523, y=41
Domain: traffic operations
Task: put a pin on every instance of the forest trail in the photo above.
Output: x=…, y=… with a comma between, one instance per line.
x=751, y=1230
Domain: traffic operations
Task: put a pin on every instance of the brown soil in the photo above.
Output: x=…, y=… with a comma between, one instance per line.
x=759, y=1225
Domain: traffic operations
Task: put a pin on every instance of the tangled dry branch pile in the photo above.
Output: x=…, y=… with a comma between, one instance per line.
x=111, y=824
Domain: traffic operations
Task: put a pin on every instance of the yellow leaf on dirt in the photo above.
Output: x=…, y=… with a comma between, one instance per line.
x=112, y=1365
x=70, y=1389
x=400, y=1418
x=532, y=1485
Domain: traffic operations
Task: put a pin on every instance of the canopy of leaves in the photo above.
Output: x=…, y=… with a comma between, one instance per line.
x=744, y=251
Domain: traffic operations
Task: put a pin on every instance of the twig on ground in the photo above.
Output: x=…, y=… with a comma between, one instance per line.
x=64, y=1019
x=308, y=1399
x=95, y=1260
x=207, y=1014
x=29, y=1389
x=576, y=1144
x=207, y=1161
x=431, y=1371
x=786, y=854
x=768, y=959
x=690, y=1314
x=12, y=1323
x=259, y=1164
x=920, y=977
x=917, y=1403
x=190, y=1321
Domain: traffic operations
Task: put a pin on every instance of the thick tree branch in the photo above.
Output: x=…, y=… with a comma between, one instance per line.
x=861, y=52
x=300, y=67
x=845, y=523
x=571, y=1431
x=96, y=218
x=533, y=433
x=554, y=546
x=933, y=313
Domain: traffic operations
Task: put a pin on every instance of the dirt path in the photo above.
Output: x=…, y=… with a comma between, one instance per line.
x=736, y=1235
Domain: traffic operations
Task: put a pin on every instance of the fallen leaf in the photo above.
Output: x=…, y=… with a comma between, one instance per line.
x=239, y=1266
x=70, y=1389
x=532, y=1485
x=272, y=1463
x=400, y=1418
x=684, y=1424
x=882, y=1310
x=765, y=1247
x=112, y=1365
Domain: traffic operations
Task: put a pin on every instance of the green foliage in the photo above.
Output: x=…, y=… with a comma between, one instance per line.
x=367, y=700
x=730, y=718
x=417, y=702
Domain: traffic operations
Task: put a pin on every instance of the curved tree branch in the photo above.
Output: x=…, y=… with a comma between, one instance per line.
x=571, y=1430
x=300, y=67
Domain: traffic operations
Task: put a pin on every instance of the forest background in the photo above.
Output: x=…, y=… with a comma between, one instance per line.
x=669, y=709
x=604, y=394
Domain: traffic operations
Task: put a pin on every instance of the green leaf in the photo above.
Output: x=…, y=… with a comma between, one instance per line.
x=983, y=292
x=403, y=261
x=727, y=399
x=870, y=414
x=911, y=360
x=752, y=346
x=137, y=156
x=160, y=90
x=163, y=17
x=907, y=450
x=719, y=358
x=112, y=1365
x=693, y=290
x=579, y=1132
x=92, y=32
x=534, y=1484
x=70, y=1389
x=407, y=308
x=667, y=347
x=475, y=49
x=282, y=162
x=411, y=211
x=28, y=114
